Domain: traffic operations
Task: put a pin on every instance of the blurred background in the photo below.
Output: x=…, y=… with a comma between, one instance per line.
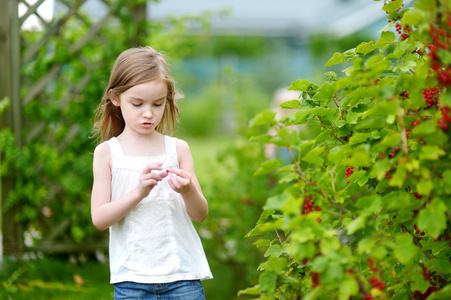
x=229, y=58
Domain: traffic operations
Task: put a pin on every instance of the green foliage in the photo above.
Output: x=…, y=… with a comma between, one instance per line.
x=54, y=279
x=363, y=209
x=52, y=171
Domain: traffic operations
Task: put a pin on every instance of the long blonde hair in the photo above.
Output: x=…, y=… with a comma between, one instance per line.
x=132, y=67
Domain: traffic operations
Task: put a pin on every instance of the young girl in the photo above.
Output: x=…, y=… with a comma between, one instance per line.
x=145, y=189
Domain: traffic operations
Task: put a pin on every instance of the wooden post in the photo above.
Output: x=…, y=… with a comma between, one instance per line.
x=10, y=87
x=139, y=15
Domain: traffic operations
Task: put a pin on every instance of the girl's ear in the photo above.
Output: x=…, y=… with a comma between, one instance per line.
x=114, y=98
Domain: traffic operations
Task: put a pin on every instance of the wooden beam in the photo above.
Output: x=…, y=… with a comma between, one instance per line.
x=10, y=87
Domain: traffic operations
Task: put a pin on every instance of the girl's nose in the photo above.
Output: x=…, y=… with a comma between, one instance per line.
x=148, y=113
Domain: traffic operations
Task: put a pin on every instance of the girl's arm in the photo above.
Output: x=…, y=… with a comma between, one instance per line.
x=105, y=212
x=187, y=185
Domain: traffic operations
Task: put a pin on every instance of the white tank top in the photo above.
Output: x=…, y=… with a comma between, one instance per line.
x=156, y=241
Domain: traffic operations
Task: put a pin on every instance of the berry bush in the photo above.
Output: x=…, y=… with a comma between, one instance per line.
x=365, y=211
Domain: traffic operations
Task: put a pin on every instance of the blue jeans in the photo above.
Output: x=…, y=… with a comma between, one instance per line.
x=183, y=290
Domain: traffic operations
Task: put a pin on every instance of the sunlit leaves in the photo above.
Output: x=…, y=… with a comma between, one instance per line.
x=405, y=250
x=432, y=219
x=365, y=47
x=377, y=168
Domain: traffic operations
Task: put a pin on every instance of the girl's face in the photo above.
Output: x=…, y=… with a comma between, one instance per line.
x=143, y=106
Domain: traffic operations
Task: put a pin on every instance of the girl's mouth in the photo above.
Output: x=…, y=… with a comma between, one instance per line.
x=146, y=125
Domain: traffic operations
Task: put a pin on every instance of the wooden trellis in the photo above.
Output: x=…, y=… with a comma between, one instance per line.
x=16, y=51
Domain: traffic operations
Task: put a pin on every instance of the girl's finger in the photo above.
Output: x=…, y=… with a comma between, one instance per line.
x=152, y=166
x=179, y=172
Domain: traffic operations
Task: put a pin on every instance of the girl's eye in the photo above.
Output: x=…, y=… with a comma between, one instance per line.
x=136, y=104
x=158, y=104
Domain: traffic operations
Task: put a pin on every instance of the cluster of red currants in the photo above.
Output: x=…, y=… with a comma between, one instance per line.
x=315, y=279
x=417, y=231
x=387, y=175
x=349, y=171
x=420, y=296
x=371, y=264
x=403, y=31
x=441, y=39
x=308, y=207
x=377, y=284
x=426, y=275
x=445, y=120
x=413, y=124
x=395, y=149
x=432, y=97
x=404, y=95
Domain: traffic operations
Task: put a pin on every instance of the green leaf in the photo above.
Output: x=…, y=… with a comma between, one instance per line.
x=380, y=168
x=432, y=219
x=300, y=251
x=255, y=290
x=336, y=154
x=267, y=282
x=352, y=117
x=398, y=199
x=264, y=138
x=262, y=243
x=382, y=109
x=412, y=17
x=443, y=294
x=405, y=250
x=275, y=264
x=431, y=152
x=334, y=272
x=300, y=85
x=286, y=137
x=322, y=137
x=267, y=166
x=387, y=38
x=328, y=245
x=274, y=250
x=360, y=158
x=390, y=140
x=299, y=117
x=359, y=138
x=276, y=201
x=445, y=56
x=445, y=98
x=290, y=104
x=322, y=111
x=340, y=123
x=398, y=178
x=348, y=287
x=326, y=92
x=288, y=177
x=419, y=283
x=314, y=156
x=356, y=224
x=425, y=187
x=424, y=128
x=365, y=47
x=266, y=117
x=392, y=6
x=265, y=215
x=336, y=59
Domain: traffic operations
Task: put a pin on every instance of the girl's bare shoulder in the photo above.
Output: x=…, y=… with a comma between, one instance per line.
x=102, y=151
x=182, y=144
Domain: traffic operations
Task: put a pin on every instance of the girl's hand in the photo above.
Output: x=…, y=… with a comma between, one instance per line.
x=181, y=183
x=148, y=179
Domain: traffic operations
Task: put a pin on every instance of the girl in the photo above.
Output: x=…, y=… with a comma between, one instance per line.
x=145, y=189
